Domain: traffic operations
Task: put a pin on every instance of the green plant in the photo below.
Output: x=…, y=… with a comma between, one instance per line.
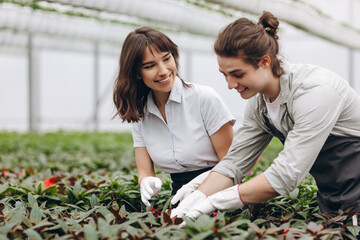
x=45, y=195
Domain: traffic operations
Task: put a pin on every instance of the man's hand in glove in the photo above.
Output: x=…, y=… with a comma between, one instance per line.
x=186, y=205
x=189, y=188
x=224, y=200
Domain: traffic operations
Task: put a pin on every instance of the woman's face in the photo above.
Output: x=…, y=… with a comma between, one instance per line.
x=158, y=70
x=244, y=77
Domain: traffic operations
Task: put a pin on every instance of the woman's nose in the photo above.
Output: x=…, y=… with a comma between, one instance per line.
x=162, y=69
x=231, y=83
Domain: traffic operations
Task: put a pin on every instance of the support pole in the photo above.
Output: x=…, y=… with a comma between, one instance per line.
x=96, y=87
x=33, y=87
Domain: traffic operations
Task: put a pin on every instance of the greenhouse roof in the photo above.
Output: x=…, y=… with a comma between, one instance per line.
x=78, y=24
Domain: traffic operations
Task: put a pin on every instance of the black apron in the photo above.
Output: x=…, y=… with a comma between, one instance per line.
x=337, y=174
x=180, y=179
x=336, y=171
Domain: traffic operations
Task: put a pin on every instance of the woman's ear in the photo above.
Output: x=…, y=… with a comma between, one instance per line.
x=265, y=61
x=138, y=76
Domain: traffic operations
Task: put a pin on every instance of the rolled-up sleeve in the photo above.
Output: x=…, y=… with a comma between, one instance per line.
x=137, y=134
x=214, y=111
x=249, y=142
x=315, y=112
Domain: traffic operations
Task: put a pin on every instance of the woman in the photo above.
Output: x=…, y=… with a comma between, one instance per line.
x=184, y=129
x=313, y=111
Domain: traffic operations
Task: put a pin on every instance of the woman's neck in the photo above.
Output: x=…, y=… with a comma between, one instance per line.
x=160, y=99
x=273, y=89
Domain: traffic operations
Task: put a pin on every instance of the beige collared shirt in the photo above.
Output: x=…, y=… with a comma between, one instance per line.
x=315, y=103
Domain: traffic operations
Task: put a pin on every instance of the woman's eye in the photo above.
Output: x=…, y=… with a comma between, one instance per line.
x=167, y=59
x=149, y=66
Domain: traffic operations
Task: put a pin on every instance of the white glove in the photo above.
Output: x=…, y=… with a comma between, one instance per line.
x=189, y=188
x=149, y=187
x=224, y=200
x=186, y=205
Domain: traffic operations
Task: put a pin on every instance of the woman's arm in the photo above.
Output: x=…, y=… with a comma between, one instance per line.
x=222, y=139
x=144, y=163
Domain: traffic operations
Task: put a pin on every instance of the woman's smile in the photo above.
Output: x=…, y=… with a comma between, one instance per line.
x=165, y=80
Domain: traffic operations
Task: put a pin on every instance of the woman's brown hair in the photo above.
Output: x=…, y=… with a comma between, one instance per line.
x=130, y=92
x=251, y=41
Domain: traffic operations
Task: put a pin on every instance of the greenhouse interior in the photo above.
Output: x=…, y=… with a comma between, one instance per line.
x=59, y=59
x=73, y=169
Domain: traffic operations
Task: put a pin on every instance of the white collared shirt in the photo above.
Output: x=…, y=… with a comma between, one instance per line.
x=183, y=143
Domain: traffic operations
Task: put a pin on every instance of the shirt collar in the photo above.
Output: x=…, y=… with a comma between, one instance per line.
x=176, y=92
x=285, y=81
x=175, y=96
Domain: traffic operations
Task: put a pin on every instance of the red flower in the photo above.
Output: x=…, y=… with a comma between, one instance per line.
x=5, y=172
x=22, y=172
x=250, y=174
x=214, y=214
x=158, y=212
x=216, y=230
x=49, y=182
x=103, y=173
x=286, y=232
x=152, y=209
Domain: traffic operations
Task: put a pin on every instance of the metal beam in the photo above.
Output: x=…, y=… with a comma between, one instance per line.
x=302, y=16
x=96, y=86
x=33, y=88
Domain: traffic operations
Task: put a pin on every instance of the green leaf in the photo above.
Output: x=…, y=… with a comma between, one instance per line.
x=4, y=187
x=134, y=231
x=354, y=230
x=104, y=227
x=90, y=233
x=36, y=215
x=71, y=195
x=32, y=234
x=164, y=217
x=144, y=227
x=302, y=214
x=294, y=194
x=42, y=224
x=63, y=225
x=32, y=200
x=107, y=214
x=6, y=228
x=202, y=235
x=93, y=200
x=40, y=187
x=16, y=215
x=122, y=211
x=3, y=237
x=52, y=190
x=77, y=189
x=260, y=221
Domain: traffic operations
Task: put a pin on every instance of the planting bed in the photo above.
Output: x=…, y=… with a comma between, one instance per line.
x=71, y=185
